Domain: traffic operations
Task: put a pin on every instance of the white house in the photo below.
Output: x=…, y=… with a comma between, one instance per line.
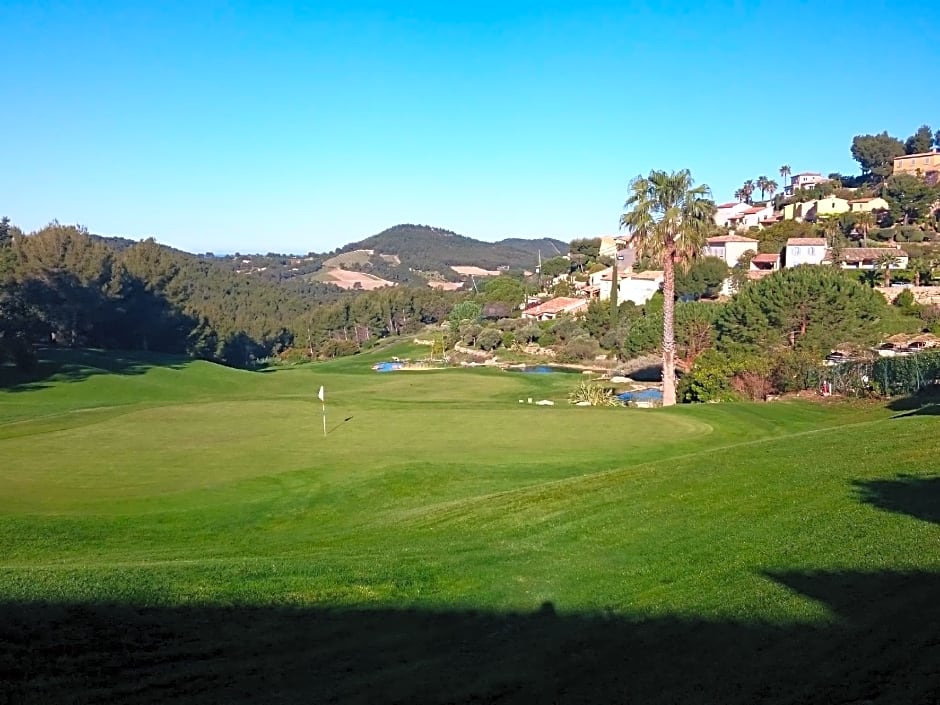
x=751, y=217
x=640, y=286
x=805, y=179
x=726, y=211
x=868, y=257
x=555, y=307
x=729, y=247
x=804, y=250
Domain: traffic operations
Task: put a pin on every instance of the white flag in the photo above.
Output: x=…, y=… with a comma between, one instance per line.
x=320, y=395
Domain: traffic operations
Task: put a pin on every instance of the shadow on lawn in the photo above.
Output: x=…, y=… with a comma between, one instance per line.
x=77, y=365
x=924, y=403
x=881, y=646
x=906, y=494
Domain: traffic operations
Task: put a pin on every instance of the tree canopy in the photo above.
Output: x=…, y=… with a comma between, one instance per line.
x=920, y=141
x=808, y=308
x=876, y=153
x=910, y=198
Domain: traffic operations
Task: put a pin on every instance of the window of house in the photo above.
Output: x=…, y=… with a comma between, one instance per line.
x=796, y=250
x=810, y=250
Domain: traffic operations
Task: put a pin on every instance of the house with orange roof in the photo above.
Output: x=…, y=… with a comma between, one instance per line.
x=555, y=307
x=924, y=164
x=869, y=257
x=751, y=217
x=867, y=205
x=765, y=262
x=726, y=211
x=804, y=250
x=729, y=247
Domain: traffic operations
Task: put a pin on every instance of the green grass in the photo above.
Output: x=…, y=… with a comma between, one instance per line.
x=171, y=528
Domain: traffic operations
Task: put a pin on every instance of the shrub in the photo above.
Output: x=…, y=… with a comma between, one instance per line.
x=489, y=339
x=593, y=393
x=581, y=348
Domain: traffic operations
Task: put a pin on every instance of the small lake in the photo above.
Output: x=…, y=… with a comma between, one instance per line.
x=542, y=370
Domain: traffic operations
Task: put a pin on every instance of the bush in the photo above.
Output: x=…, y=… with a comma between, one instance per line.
x=593, y=393
x=794, y=371
x=581, y=348
x=489, y=339
x=509, y=339
x=906, y=375
x=905, y=301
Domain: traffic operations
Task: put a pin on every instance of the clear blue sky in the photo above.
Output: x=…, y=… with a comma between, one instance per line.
x=257, y=126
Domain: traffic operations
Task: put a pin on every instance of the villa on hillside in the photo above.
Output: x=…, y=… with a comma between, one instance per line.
x=637, y=287
x=765, y=262
x=811, y=211
x=804, y=250
x=805, y=179
x=925, y=164
x=867, y=205
x=729, y=247
x=751, y=217
x=868, y=257
x=555, y=307
x=726, y=211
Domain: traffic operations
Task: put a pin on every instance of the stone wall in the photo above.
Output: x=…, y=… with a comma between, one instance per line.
x=922, y=294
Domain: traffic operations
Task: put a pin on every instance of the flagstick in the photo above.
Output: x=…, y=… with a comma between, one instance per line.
x=324, y=419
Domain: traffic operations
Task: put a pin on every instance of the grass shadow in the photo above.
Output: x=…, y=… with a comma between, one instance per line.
x=882, y=647
x=905, y=494
x=56, y=365
x=924, y=403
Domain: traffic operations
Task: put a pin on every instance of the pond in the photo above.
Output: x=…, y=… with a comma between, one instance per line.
x=542, y=370
x=650, y=394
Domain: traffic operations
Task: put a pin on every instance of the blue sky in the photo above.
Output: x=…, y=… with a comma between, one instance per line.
x=300, y=127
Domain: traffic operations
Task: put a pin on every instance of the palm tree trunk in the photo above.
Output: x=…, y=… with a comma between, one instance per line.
x=669, y=320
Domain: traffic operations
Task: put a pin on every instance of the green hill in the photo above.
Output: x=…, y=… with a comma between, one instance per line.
x=428, y=249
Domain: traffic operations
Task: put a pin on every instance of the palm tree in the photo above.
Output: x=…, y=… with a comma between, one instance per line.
x=748, y=189
x=863, y=223
x=785, y=172
x=740, y=195
x=670, y=219
x=831, y=227
x=886, y=261
x=771, y=187
x=762, y=185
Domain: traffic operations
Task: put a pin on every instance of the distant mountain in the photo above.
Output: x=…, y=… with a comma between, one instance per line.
x=548, y=246
x=427, y=249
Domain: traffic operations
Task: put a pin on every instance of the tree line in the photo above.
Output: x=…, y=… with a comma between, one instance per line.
x=63, y=286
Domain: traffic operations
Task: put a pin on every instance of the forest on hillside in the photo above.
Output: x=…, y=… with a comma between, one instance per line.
x=63, y=286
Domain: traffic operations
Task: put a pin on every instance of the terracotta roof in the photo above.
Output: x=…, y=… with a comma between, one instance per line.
x=730, y=238
x=919, y=154
x=556, y=305
x=731, y=204
x=650, y=274
x=815, y=241
x=765, y=258
x=859, y=254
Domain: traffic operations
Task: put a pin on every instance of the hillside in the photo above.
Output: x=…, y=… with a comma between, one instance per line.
x=427, y=249
x=548, y=246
